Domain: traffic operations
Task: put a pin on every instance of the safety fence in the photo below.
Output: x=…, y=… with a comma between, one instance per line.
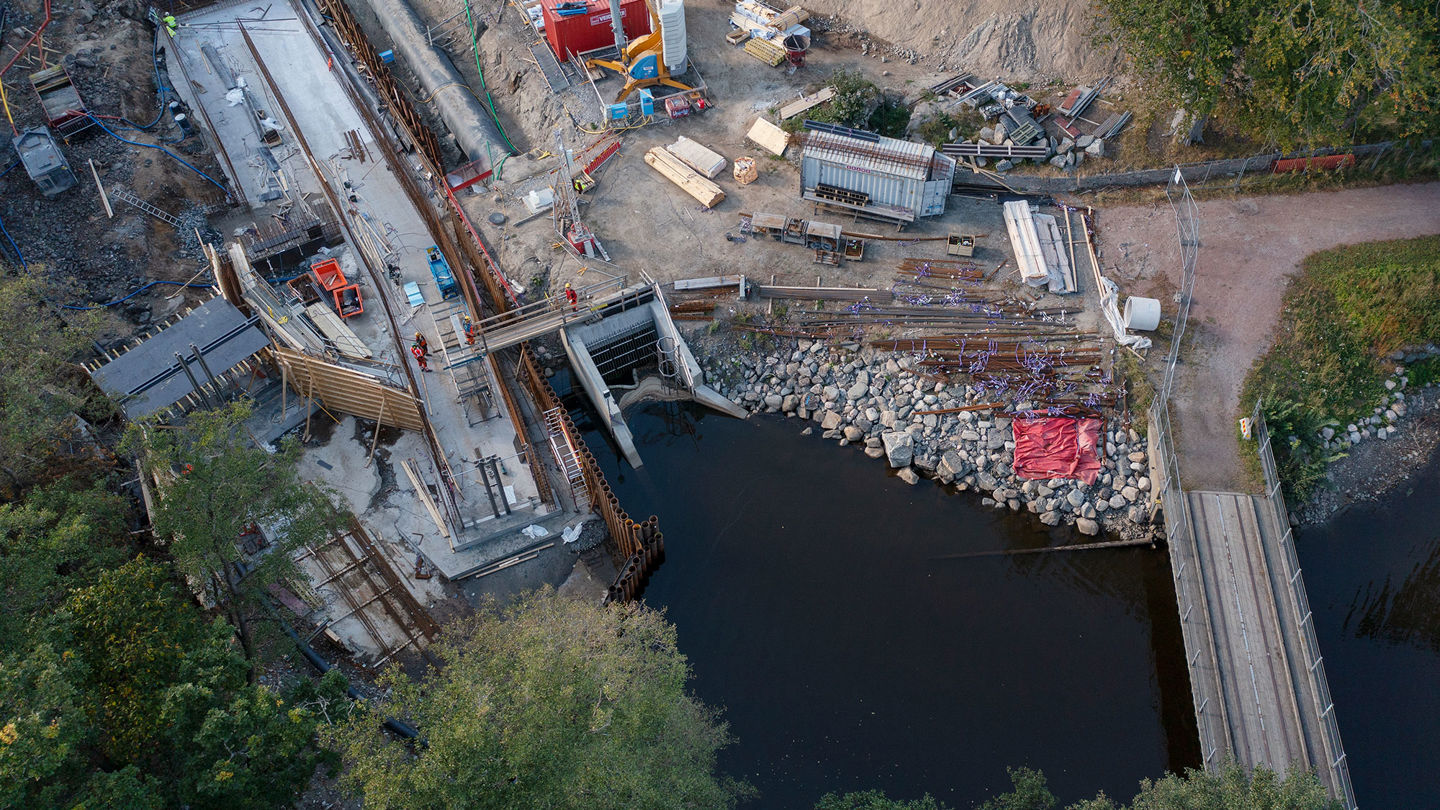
x=1209, y=173
x=1314, y=662
x=641, y=545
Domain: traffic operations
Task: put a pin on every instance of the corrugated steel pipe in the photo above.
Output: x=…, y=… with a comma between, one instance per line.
x=474, y=130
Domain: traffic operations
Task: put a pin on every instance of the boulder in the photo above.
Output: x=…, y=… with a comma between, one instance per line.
x=1087, y=526
x=1096, y=148
x=1075, y=498
x=951, y=464
x=899, y=448
x=908, y=475
x=1051, y=518
x=1084, y=141
x=830, y=420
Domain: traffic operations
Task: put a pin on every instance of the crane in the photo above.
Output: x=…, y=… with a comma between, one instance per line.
x=567, y=206
x=640, y=63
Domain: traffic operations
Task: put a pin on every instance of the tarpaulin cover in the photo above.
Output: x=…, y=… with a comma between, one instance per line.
x=1057, y=447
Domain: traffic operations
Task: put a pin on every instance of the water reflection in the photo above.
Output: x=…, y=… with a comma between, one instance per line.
x=807, y=595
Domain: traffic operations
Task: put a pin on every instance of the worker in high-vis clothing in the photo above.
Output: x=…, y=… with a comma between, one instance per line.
x=422, y=344
x=171, y=24
x=469, y=331
x=571, y=296
x=420, y=357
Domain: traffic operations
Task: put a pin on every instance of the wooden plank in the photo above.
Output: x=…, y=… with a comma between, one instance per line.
x=424, y=495
x=349, y=391
x=692, y=182
x=804, y=103
x=697, y=156
x=335, y=329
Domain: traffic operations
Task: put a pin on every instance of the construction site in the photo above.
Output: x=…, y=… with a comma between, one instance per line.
x=397, y=228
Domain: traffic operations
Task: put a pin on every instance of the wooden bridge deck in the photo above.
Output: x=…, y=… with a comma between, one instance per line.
x=1261, y=688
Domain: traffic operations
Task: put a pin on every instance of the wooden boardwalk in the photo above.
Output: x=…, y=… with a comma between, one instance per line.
x=1262, y=688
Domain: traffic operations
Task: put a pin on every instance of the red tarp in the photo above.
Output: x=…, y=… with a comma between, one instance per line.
x=1057, y=447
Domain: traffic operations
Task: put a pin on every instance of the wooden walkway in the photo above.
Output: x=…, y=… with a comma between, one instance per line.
x=1262, y=687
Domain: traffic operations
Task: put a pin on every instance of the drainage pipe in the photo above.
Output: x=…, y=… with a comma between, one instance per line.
x=474, y=130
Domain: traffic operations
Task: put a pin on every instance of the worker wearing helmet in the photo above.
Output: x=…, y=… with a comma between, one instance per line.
x=170, y=24
x=420, y=344
x=572, y=297
x=420, y=357
x=469, y=331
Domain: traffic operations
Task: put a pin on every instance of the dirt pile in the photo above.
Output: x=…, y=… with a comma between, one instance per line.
x=1034, y=41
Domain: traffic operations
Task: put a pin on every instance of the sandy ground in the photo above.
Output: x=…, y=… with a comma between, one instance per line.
x=1249, y=249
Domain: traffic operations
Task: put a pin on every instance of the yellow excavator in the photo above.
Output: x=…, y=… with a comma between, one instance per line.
x=641, y=63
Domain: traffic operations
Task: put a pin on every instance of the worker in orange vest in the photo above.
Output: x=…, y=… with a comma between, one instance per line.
x=469, y=331
x=420, y=342
x=572, y=297
x=420, y=357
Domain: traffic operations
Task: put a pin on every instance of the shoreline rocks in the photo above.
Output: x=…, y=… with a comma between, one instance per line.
x=872, y=399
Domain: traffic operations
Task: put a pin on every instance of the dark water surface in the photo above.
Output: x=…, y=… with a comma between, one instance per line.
x=804, y=584
x=1373, y=578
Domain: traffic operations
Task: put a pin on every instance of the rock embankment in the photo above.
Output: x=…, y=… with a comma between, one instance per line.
x=873, y=400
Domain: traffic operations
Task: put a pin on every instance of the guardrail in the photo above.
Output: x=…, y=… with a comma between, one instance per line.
x=1314, y=661
x=1210, y=716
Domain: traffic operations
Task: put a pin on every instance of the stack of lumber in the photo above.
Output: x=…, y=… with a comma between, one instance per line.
x=685, y=177
x=697, y=157
x=766, y=51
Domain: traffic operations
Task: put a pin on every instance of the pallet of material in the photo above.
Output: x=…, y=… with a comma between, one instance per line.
x=766, y=51
x=685, y=177
x=700, y=158
x=768, y=137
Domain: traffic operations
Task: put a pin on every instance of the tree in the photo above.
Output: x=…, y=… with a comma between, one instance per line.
x=550, y=703
x=41, y=389
x=1291, y=72
x=60, y=536
x=1232, y=788
x=875, y=800
x=219, y=487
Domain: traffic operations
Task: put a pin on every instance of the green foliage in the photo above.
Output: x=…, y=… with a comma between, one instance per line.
x=41, y=390
x=890, y=118
x=1232, y=788
x=875, y=800
x=856, y=98
x=1291, y=73
x=220, y=485
x=60, y=536
x=550, y=703
x=43, y=727
x=1342, y=314
x=1028, y=791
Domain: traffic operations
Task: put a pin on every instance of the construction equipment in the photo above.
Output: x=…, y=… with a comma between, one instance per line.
x=567, y=206
x=440, y=269
x=649, y=60
x=348, y=301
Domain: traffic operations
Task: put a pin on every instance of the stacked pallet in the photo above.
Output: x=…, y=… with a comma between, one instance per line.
x=766, y=51
x=685, y=177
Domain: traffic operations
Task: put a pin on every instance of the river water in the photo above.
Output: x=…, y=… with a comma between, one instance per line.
x=811, y=595
x=1373, y=579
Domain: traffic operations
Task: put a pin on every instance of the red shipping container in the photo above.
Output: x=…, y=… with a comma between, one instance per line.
x=577, y=33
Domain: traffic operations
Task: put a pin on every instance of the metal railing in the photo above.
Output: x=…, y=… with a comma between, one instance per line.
x=1187, y=227
x=1314, y=662
x=1210, y=716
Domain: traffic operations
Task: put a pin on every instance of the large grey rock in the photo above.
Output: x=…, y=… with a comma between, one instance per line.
x=830, y=420
x=853, y=433
x=1051, y=518
x=899, y=448
x=908, y=475
x=1087, y=526
x=951, y=464
x=1084, y=141
x=1075, y=498
x=774, y=401
x=1130, y=493
x=1004, y=165
x=986, y=481
x=1096, y=148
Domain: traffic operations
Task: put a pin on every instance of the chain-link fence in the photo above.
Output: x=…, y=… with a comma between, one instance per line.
x=1314, y=663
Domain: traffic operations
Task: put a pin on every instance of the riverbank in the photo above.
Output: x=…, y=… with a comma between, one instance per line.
x=1380, y=464
x=874, y=401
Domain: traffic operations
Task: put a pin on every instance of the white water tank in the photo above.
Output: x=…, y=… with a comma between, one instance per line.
x=672, y=34
x=1142, y=314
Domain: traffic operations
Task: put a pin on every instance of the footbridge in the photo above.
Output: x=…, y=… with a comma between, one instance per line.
x=1256, y=672
x=1255, y=667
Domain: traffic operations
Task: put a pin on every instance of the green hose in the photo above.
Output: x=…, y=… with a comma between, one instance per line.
x=489, y=101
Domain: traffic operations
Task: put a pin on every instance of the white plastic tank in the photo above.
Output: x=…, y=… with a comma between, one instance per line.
x=672, y=34
x=1142, y=314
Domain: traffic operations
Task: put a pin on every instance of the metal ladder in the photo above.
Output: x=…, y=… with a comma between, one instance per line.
x=126, y=197
x=565, y=456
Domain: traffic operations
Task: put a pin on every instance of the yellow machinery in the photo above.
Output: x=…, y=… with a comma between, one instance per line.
x=641, y=63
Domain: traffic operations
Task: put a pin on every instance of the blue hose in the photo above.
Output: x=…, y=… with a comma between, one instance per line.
x=11, y=166
x=14, y=246
x=183, y=162
x=133, y=294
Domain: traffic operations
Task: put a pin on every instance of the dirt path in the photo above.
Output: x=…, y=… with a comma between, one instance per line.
x=1249, y=249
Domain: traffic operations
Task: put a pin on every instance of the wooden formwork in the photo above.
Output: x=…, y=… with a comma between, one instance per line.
x=641, y=544
x=352, y=392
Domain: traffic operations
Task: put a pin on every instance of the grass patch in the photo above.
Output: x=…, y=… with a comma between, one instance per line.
x=1346, y=310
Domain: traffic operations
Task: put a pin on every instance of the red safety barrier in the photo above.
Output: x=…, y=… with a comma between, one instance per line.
x=1057, y=447
x=1307, y=163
